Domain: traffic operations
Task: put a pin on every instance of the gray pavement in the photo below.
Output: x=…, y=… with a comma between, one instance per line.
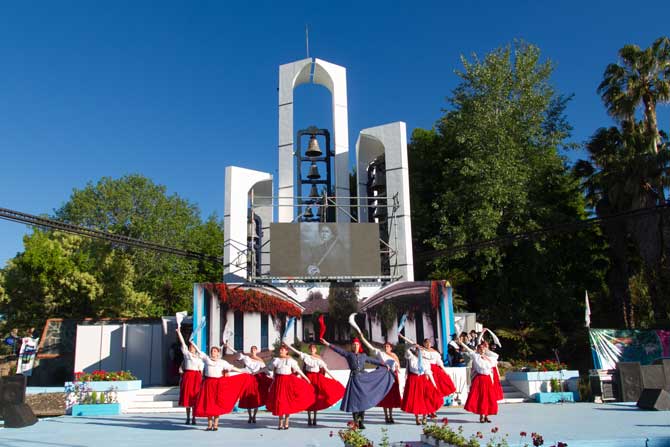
x=579, y=424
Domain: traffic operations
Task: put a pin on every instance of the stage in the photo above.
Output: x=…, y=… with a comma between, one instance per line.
x=578, y=424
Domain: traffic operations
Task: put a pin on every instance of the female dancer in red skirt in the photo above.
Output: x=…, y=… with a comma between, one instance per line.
x=218, y=394
x=288, y=394
x=482, y=396
x=256, y=394
x=497, y=386
x=442, y=380
x=191, y=379
x=327, y=390
x=420, y=397
x=392, y=399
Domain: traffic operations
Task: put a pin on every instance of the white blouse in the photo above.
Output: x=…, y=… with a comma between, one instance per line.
x=284, y=366
x=384, y=357
x=482, y=364
x=192, y=362
x=312, y=364
x=413, y=364
x=432, y=357
x=251, y=364
x=215, y=368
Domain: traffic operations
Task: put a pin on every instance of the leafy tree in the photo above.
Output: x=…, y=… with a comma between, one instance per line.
x=342, y=302
x=68, y=276
x=491, y=167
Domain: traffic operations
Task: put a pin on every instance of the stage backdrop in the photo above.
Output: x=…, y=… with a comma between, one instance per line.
x=325, y=249
x=610, y=346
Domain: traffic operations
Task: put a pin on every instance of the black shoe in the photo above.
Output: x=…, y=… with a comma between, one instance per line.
x=187, y=421
x=391, y=421
x=193, y=422
x=249, y=420
x=253, y=419
x=361, y=425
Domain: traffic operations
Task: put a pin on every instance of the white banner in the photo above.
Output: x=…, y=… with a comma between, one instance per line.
x=27, y=356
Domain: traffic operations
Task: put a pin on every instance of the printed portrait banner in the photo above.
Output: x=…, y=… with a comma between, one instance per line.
x=27, y=356
x=609, y=346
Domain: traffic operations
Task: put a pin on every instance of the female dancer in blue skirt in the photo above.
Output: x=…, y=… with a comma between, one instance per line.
x=364, y=389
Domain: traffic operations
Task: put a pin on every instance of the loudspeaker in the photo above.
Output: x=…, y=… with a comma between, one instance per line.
x=18, y=415
x=13, y=390
x=654, y=399
x=653, y=376
x=630, y=379
x=666, y=370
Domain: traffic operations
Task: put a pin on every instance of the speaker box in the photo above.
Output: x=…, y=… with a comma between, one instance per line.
x=13, y=390
x=630, y=380
x=654, y=399
x=653, y=376
x=665, y=362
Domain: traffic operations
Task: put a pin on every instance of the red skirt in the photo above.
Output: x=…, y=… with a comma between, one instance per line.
x=218, y=395
x=497, y=387
x=392, y=398
x=420, y=396
x=482, y=399
x=444, y=383
x=189, y=387
x=256, y=393
x=289, y=394
x=327, y=391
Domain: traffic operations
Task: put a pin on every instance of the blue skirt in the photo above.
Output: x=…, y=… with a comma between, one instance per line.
x=366, y=389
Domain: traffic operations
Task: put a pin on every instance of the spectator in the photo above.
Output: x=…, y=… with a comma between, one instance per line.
x=14, y=342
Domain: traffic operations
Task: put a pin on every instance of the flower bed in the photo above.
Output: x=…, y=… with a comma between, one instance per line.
x=532, y=382
x=109, y=390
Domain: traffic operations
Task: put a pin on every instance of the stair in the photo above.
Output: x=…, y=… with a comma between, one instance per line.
x=510, y=393
x=155, y=400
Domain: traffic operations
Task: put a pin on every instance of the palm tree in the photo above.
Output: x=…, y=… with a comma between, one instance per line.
x=643, y=77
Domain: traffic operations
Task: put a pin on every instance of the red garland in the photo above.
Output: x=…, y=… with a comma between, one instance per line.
x=250, y=300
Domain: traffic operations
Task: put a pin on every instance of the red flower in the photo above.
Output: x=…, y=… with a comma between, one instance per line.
x=331, y=434
x=523, y=434
x=480, y=435
x=494, y=430
x=445, y=421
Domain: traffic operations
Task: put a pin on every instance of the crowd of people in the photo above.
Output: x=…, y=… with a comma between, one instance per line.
x=207, y=389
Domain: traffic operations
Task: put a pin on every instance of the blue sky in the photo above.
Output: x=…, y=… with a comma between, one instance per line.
x=176, y=91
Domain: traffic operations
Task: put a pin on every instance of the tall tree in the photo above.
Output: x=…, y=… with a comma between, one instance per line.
x=492, y=167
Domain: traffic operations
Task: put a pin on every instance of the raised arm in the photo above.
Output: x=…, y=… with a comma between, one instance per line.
x=367, y=343
x=466, y=347
x=294, y=350
x=181, y=340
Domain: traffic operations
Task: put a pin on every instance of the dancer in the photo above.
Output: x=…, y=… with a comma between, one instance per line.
x=444, y=383
x=288, y=394
x=392, y=399
x=218, y=394
x=256, y=394
x=420, y=397
x=497, y=386
x=364, y=389
x=482, y=396
x=191, y=379
x=327, y=390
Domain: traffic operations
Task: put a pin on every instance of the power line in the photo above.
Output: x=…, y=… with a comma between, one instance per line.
x=43, y=222
x=540, y=232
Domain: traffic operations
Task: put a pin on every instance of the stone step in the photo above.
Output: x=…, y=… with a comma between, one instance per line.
x=155, y=397
x=154, y=410
x=512, y=400
x=153, y=404
x=158, y=390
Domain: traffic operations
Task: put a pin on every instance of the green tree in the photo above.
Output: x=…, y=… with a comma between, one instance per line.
x=342, y=302
x=492, y=167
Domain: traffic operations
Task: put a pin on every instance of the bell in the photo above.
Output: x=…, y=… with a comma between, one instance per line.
x=378, y=183
x=313, y=193
x=313, y=172
x=313, y=149
x=308, y=214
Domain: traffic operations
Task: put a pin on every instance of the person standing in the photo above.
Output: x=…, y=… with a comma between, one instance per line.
x=218, y=394
x=191, y=379
x=420, y=397
x=364, y=389
x=256, y=394
x=482, y=396
x=392, y=399
x=288, y=394
x=327, y=390
x=443, y=382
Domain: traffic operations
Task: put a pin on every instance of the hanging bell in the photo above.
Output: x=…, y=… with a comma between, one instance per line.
x=313, y=172
x=313, y=149
x=378, y=183
x=313, y=193
x=308, y=214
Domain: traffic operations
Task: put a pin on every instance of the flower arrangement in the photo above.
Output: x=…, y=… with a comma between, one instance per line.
x=353, y=436
x=77, y=393
x=251, y=300
x=549, y=365
x=455, y=438
x=103, y=376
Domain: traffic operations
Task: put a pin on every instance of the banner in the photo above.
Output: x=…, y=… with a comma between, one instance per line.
x=610, y=346
x=27, y=356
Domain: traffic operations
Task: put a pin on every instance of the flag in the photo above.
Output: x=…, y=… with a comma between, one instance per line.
x=180, y=317
x=322, y=327
x=27, y=356
x=587, y=311
x=403, y=320
x=289, y=325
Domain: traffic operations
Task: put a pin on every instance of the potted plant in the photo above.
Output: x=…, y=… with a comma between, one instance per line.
x=101, y=380
x=82, y=400
x=353, y=437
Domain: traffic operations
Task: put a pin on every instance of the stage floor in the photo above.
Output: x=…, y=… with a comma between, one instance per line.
x=578, y=424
